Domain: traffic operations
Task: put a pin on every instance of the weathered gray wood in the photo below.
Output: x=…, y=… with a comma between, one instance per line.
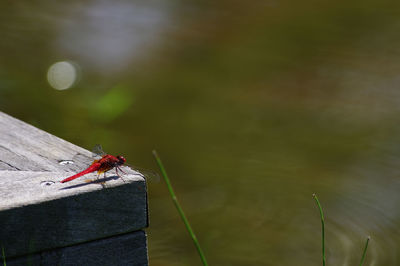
x=38, y=213
x=125, y=249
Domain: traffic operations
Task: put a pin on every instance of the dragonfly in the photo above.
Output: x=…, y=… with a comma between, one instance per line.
x=106, y=163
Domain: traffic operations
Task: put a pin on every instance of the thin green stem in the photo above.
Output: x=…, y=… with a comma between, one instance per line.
x=179, y=208
x=365, y=251
x=323, y=228
x=4, y=256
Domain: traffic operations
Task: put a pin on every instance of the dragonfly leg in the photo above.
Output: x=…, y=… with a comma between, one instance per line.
x=119, y=168
x=116, y=171
x=98, y=178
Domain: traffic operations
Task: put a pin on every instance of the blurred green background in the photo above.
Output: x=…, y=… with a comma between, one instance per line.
x=252, y=106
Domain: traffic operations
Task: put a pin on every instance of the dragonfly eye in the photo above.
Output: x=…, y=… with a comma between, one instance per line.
x=121, y=159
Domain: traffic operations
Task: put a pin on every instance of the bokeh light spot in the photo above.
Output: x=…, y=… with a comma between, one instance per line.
x=62, y=75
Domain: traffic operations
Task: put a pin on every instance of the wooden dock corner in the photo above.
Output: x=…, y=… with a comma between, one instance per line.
x=45, y=222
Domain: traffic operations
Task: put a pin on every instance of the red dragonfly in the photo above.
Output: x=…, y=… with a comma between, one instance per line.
x=106, y=163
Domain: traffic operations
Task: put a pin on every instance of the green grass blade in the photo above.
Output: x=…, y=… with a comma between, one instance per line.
x=179, y=208
x=4, y=256
x=365, y=251
x=323, y=228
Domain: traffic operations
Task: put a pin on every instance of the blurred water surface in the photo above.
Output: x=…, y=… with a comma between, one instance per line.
x=253, y=107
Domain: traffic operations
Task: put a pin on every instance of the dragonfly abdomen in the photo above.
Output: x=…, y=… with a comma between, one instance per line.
x=92, y=168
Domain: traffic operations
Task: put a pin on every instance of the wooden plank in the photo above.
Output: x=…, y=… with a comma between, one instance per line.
x=125, y=249
x=26, y=148
x=38, y=213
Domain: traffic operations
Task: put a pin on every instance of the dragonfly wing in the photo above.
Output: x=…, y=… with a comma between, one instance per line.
x=80, y=161
x=97, y=151
x=150, y=175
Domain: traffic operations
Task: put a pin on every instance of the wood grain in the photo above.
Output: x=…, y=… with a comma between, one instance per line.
x=39, y=213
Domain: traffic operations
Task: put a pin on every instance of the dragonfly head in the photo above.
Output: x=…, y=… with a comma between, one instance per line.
x=121, y=160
